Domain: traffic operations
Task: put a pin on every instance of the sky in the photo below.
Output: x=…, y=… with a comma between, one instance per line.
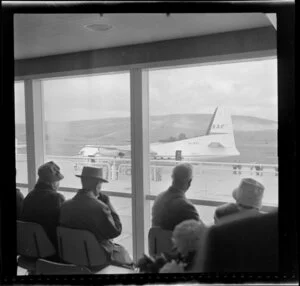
x=244, y=88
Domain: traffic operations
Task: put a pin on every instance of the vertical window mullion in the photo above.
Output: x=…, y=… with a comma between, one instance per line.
x=34, y=128
x=140, y=158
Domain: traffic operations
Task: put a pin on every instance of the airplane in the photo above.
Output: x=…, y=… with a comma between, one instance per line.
x=218, y=142
x=105, y=151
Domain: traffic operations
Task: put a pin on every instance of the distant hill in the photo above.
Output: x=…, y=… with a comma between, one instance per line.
x=118, y=129
x=66, y=138
x=248, y=123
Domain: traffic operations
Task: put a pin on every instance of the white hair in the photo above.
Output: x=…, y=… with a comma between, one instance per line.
x=188, y=234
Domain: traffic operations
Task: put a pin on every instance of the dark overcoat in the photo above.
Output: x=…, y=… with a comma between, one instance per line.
x=171, y=208
x=86, y=212
x=19, y=203
x=42, y=206
x=230, y=209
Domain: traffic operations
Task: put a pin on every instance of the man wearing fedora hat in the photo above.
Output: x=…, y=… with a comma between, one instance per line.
x=248, y=196
x=92, y=210
x=42, y=204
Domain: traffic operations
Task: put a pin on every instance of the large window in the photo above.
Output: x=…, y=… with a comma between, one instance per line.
x=87, y=123
x=214, y=106
x=20, y=135
x=85, y=119
x=223, y=119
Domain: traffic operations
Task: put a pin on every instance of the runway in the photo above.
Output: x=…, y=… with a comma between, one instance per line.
x=210, y=182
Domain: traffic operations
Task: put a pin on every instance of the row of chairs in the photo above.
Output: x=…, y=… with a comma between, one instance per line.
x=79, y=250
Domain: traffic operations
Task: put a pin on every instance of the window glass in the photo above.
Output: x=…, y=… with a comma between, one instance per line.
x=87, y=123
x=23, y=190
x=206, y=214
x=223, y=119
x=20, y=134
x=123, y=207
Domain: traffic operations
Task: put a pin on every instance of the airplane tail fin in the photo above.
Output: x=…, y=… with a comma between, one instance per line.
x=221, y=125
x=221, y=122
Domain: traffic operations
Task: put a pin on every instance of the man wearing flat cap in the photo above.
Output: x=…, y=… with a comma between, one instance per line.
x=92, y=210
x=248, y=196
x=42, y=204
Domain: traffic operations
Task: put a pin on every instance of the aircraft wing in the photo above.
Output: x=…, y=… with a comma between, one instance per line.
x=117, y=147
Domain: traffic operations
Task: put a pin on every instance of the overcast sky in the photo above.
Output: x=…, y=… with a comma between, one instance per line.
x=245, y=88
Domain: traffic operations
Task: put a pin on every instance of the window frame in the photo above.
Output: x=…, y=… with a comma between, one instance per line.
x=139, y=107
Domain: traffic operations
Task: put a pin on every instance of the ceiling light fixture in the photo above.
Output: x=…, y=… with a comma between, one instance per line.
x=98, y=27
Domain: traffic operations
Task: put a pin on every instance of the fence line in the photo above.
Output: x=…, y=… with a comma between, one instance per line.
x=159, y=161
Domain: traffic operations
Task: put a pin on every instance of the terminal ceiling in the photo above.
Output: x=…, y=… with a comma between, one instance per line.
x=38, y=35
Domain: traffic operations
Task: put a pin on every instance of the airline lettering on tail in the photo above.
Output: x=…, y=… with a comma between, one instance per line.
x=218, y=126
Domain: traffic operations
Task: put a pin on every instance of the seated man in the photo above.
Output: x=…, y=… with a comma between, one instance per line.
x=42, y=205
x=172, y=207
x=92, y=210
x=248, y=196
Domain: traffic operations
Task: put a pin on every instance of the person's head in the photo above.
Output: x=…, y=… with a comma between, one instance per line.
x=49, y=173
x=249, y=193
x=182, y=176
x=92, y=179
x=92, y=184
x=187, y=236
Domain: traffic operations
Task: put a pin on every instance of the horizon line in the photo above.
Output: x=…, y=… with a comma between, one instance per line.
x=158, y=115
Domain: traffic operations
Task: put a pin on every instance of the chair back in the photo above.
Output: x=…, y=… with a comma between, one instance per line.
x=46, y=267
x=32, y=240
x=159, y=240
x=80, y=247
